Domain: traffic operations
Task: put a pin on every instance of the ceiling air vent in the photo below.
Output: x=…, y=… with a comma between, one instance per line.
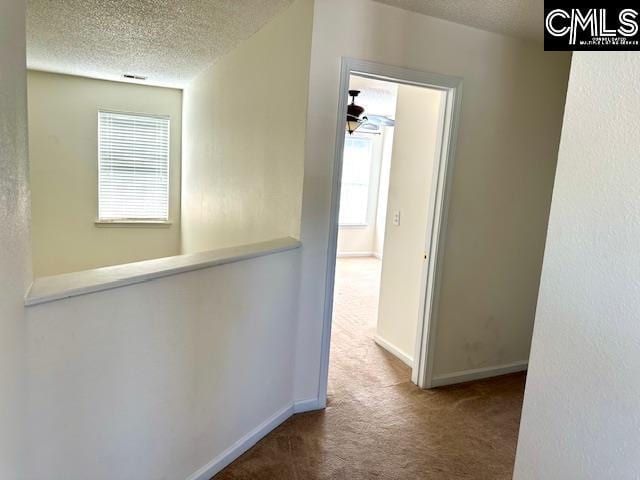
x=134, y=77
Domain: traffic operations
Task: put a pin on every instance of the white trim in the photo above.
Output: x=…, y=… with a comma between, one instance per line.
x=355, y=254
x=132, y=223
x=354, y=226
x=254, y=436
x=325, y=342
x=393, y=350
x=242, y=445
x=452, y=86
x=57, y=287
x=309, y=405
x=377, y=255
x=427, y=326
x=478, y=374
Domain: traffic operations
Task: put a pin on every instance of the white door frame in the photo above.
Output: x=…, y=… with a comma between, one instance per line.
x=422, y=372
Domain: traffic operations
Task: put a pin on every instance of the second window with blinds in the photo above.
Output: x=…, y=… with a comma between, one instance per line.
x=133, y=168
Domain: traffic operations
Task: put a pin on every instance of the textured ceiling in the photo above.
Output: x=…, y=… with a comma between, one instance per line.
x=518, y=18
x=168, y=41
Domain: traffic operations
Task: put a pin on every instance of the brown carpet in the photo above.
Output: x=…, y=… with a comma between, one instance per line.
x=377, y=424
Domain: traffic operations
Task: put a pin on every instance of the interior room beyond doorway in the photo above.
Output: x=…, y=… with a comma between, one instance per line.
x=387, y=173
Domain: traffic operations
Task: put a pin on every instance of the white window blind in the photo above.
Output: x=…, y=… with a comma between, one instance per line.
x=133, y=167
x=356, y=174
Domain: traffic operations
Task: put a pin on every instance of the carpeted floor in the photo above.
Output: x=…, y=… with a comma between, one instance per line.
x=377, y=424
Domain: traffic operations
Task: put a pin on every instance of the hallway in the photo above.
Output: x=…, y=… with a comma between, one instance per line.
x=377, y=424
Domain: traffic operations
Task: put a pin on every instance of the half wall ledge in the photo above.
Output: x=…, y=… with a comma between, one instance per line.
x=66, y=285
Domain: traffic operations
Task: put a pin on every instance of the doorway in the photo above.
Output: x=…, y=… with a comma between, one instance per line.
x=399, y=205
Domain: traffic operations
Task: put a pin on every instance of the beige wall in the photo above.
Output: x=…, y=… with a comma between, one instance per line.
x=63, y=126
x=512, y=103
x=580, y=418
x=15, y=264
x=412, y=161
x=244, y=138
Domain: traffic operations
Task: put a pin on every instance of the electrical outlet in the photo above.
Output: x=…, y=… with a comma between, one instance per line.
x=396, y=218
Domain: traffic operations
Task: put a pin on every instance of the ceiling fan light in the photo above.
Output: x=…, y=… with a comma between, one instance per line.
x=353, y=123
x=354, y=113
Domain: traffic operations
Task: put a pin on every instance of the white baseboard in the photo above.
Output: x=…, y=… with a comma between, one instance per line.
x=393, y=350
x=477, y=374
x=355, y=254
x=377, y=255
x=253, y=437
x=242, y=445
x=308, y=405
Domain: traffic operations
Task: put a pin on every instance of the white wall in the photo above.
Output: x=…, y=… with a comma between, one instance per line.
x=244, y=125
x=15, y=262
x=505, y=162
x=155, y=380
x=414, y=148
x=63, y=155
x=581, y=418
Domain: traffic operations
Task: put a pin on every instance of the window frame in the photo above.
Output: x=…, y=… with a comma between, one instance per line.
x=366, y=222
x=133, y=222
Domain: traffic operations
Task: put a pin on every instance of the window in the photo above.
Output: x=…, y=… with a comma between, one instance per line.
x=356, y=172
x=133, y=167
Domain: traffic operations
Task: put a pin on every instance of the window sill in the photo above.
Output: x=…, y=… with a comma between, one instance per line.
x=353, y=225
x=66, y=285
x=133, y=223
